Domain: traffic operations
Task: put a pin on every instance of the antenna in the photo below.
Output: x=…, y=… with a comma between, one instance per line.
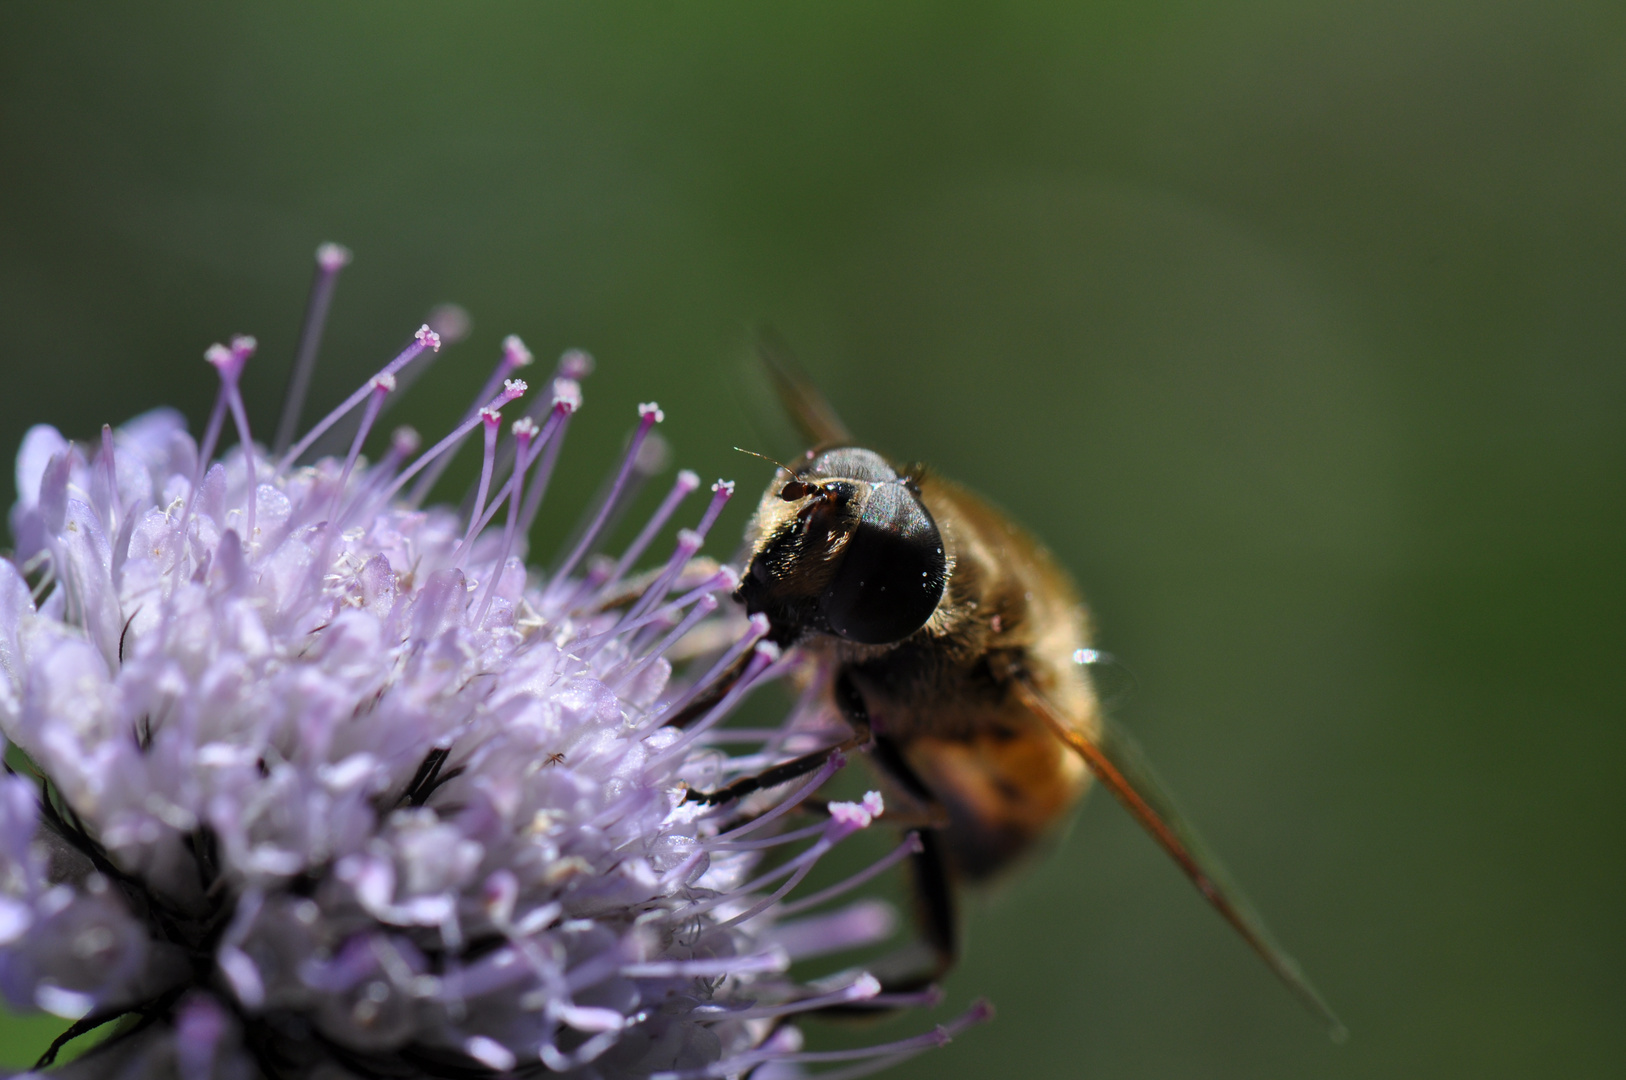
x=796, y=489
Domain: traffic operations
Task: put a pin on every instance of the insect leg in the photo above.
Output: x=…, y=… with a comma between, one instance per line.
x=933, y=883
x=852, y=707
x=711, y=695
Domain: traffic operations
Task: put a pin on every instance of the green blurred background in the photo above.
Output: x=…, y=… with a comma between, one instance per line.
x=1295, y=328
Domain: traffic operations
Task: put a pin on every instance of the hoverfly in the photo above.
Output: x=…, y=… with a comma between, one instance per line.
x=959, y=655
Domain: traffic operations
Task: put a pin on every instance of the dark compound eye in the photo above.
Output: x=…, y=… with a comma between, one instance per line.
x=892, y=572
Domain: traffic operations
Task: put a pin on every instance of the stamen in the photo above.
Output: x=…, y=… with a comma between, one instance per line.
x=496, y=501
x=721, y=492
x=540, y=407
x=911, y=845
x=229, y=363
x=451, y=321
x=587, y=647
x=686, y=539
x=649, y=415
x=330, y=259
x=864, y=922
x=825, y=771
x=382, y=386
x=425, y=338
x=845, y=819
x=863, y=988
x=704, y=607
x=525, y=432
x=514, y=356
x=770, y=962
x=512, y=389
x=567, y=398
x=686, y=482
x=757, y=627
x=777, y=840
x=575, y=364
x=796, y=869
x=492, y=419
x=404, y=442
x=110, y=476
x=765, y=654
x=220, y=356
x=891, y=1052
x=243, y=346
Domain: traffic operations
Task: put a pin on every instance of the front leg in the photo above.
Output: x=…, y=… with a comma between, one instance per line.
x=857, y=716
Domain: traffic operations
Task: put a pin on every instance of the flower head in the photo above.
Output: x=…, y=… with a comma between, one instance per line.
x=324, y=782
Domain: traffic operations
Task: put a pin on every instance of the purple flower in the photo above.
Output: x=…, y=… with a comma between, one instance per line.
x=324, y=782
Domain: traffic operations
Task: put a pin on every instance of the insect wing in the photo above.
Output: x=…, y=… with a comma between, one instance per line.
x=1121, y=767
x=799, y=396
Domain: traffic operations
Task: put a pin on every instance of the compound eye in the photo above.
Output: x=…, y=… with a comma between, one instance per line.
x=796, y=489
x=892, y=572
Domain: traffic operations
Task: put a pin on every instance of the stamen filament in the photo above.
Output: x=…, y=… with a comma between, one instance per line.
x=513, y=390
x=514, y=356
x=911, y=846
x=648, y=416
x=111, y=477
x=686, y=482
x=741, y=1063
x=382, y=385
x=425, y=338
x=240, y=417
x=702, y=608
x=764, y=656
x=791, y=837
x=524, y=433
x=508, y=485
x=758, y=627
x=492, y=420
x=330, y=259
x=586, y=648
x=824, y=772
x=722, y=491
x=863, y=988
x=567, y=398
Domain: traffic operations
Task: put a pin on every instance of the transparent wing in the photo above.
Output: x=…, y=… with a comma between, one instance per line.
x=1113, y=681
x=1121, y=768
x=797, y=393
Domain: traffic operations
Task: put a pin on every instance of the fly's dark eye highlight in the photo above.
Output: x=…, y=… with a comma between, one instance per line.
x=892, y=574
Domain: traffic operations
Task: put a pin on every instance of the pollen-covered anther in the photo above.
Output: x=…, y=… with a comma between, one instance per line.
x=229, y=359
x=567, y=395
x=858, y=815
x=451, y=321
x=575, y=364
x=402, y=803
x=333, y=257
x=515, y=354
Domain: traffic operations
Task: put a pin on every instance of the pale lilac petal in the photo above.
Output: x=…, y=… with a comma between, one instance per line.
x=329, y=783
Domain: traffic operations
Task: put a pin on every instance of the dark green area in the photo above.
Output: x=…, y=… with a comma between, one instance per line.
x=1296, y=328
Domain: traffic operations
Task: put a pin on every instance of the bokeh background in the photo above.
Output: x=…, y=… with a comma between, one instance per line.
x=1295, y=328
